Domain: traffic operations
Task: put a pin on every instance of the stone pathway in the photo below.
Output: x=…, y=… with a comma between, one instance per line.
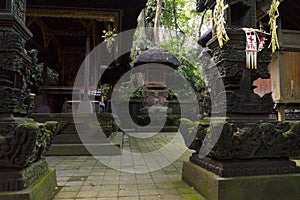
x=84, y=177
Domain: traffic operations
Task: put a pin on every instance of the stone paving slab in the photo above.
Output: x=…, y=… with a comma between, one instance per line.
x=84, y=177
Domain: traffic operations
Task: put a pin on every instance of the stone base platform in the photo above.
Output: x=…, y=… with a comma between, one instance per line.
x=246, y=167
x=213, y=187
x=42, y=189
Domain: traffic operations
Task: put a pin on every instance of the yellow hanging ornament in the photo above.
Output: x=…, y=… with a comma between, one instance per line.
x=219, y=22
x=274, y=14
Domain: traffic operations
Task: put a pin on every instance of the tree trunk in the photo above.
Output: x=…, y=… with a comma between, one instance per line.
x=157, y=22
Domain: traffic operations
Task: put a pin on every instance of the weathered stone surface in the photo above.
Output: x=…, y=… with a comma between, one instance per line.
x=246, y=167
x=15, y=64
x=213, y=187
x=23, y=142
x=238, y=97
x=13, y=179
x=251, y=140
x=42, y=189
x=229, y=65
x=68, y=142
x=67, y=126
x=15, y=8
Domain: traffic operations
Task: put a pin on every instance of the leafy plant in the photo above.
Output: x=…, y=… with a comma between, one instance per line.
x=36, y=78
x=189, y=125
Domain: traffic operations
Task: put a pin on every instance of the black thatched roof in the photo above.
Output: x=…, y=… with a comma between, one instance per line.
x=157, y=56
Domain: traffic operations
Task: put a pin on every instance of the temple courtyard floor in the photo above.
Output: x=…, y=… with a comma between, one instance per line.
x=84, y=177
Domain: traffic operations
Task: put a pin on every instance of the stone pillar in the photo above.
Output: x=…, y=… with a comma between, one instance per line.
x=14, y=61
x=253, y=150
x=230, y=62
x=22, y=141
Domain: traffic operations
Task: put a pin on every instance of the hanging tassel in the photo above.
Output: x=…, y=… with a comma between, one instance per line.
x=248, y=59
x=255, y=60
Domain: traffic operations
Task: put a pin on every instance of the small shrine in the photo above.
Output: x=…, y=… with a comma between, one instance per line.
x=155, y=92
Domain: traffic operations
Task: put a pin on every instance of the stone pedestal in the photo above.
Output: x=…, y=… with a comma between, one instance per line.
x=262, y=187
x=23, y=172
x=14, y=179
x=41, y=189
x=249, y=161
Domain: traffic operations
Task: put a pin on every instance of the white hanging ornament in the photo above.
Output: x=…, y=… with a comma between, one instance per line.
x=251, y=48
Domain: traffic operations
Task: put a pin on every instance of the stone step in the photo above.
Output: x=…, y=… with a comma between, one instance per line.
x=105, y=146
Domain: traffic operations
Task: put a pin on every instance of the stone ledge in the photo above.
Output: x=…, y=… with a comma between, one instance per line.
x=263, y=187
x=246, y=167
x=41, y=189
x=83, y=150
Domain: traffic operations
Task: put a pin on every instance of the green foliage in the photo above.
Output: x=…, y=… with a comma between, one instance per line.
x=107, y=91
x=150, y=12
x=189, y=125
x=178, y=35
x=180, y=11
x=43, y=138
x=190, y=67
x=36, y=78
x=52, y=76
x=136, y=94
x=191, y=72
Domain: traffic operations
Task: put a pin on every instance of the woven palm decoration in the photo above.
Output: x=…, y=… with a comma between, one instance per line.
x=274, y=14
x=219, y=22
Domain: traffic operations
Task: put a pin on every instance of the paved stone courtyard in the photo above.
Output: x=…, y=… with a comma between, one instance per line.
x=84, y=177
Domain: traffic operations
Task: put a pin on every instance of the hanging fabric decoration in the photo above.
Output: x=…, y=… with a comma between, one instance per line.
x=252, y=47
x=261, y=44
x=219, y=22
x=274, y=14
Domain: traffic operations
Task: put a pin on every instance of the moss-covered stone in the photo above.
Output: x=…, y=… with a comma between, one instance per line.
x=42, y=189
x=246, y=139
